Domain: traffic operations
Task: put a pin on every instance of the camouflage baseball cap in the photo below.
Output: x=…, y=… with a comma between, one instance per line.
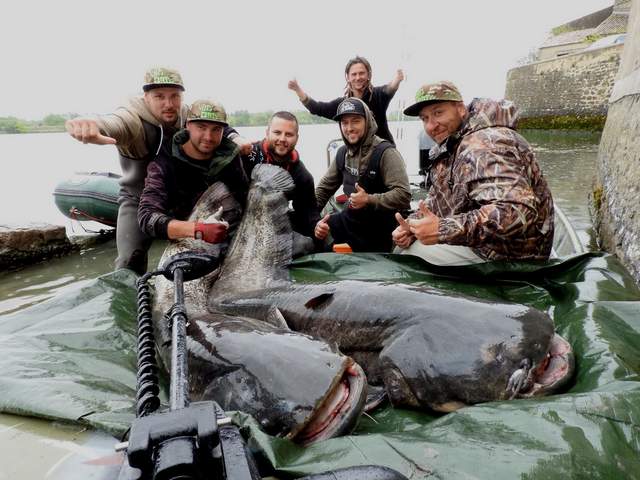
x=207, y=111
x=433, y=92
x=159, y=77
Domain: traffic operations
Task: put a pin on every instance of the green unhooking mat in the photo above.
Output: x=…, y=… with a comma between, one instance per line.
x=73, y=358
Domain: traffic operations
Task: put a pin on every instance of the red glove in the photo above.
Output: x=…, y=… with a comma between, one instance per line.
x=210, y=232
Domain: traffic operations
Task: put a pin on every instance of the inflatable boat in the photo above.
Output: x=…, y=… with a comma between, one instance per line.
x=89, y=196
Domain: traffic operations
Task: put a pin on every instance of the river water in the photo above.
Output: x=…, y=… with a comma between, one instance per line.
x=34, y=163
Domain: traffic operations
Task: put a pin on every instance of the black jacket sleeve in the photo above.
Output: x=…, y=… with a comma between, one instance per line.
x=235, y=177
x=229, y=132
x=153, y=210
x=305, y=213
x=323, y=109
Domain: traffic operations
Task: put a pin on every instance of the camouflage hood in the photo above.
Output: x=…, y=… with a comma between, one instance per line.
x=485, y=113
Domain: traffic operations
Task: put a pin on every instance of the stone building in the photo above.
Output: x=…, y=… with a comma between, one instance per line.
x=616, y=196
x=570, y=83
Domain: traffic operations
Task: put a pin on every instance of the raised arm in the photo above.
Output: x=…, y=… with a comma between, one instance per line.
x=293, y=85
x=392, y=86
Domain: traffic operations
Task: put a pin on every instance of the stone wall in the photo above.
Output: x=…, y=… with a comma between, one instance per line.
x=20, y=246
x=616, y=194
x=567, y=92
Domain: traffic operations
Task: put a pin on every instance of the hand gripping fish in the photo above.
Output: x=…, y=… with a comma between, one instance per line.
x=294, y=385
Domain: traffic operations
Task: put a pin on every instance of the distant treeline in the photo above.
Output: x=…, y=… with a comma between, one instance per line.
x=50, y=123
x=241, y=118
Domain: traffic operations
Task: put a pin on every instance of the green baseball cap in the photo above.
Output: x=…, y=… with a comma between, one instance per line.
x=433, y=92
x=159, y=77
x=207, y=111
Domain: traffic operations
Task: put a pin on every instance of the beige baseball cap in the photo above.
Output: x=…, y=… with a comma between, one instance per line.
x=442, y=91
x=207, y=111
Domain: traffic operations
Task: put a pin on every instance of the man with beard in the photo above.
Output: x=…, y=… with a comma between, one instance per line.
x=374, y=176
x=357, y=73
x=138, y=131
x=278, y=148
x=487, y=198
x=198, y=156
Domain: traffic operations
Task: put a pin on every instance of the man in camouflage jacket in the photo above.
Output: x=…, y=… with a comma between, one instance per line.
x=487, y=197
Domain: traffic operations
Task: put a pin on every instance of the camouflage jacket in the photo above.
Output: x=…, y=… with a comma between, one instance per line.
x=488, y=190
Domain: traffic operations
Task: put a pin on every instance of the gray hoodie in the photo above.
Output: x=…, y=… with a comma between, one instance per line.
x=126, y=126
x=392, y=168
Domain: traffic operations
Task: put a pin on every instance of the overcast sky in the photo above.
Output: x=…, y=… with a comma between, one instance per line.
x=88, y=57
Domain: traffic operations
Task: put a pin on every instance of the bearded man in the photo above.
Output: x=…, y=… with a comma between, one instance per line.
x=279, y=148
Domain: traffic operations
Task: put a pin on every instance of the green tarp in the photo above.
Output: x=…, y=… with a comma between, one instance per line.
x=73, y=358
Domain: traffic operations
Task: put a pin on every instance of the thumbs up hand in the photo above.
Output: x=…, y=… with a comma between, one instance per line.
x=425, y=228
x=402, y=235
x=322, y=228
x=359, y=198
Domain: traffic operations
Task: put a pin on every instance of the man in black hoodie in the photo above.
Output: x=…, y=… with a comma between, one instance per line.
x=197, y=157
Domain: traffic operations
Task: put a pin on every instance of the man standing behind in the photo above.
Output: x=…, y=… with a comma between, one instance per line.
x=197, y=157
x=278, y=148
x=487, y=198
x=372, y=172
x=138, y=130
x=358, y=76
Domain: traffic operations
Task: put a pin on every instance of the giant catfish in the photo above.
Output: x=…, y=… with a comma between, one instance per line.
x=428, y=348
x=294, y=385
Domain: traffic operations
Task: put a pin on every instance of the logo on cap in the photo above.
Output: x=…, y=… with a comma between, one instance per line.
x=160, y=76
x=346, y=107
x=208, y=112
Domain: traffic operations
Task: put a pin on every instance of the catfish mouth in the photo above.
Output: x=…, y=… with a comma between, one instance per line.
x=339, y=411
x=555, y=371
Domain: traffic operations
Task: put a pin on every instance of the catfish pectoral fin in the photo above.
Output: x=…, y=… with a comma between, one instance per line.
x=274, y=317
x=319, y=300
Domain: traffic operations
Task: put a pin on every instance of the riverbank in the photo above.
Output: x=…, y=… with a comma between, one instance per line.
x=21, y=246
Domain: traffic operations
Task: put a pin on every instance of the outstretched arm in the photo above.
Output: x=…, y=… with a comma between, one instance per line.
x=86, y=130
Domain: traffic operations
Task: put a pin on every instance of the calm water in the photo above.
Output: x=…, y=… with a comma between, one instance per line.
x=34, y=164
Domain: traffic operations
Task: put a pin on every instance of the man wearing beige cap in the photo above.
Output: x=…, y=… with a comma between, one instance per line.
x=487, y=198
x=138, y=130
x=198, y=156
